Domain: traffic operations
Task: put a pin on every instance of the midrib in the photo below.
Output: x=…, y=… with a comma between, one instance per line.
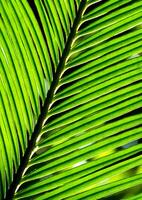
x=46, y=107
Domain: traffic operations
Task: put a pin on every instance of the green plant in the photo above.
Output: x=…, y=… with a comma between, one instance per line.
x=71, y=98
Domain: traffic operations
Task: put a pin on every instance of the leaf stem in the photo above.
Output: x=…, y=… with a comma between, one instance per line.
x=46, y=107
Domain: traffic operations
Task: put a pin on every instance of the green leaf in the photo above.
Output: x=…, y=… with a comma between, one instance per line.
x=70, y=99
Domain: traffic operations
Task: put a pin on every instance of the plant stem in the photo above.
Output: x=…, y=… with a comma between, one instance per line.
x=46, y=107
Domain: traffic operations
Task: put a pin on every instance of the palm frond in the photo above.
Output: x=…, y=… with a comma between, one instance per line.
x=71, y=99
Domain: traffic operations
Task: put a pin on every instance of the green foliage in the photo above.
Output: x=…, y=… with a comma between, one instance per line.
x=70, y=99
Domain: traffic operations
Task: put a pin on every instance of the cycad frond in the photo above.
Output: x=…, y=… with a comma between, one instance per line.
x=71, y=98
